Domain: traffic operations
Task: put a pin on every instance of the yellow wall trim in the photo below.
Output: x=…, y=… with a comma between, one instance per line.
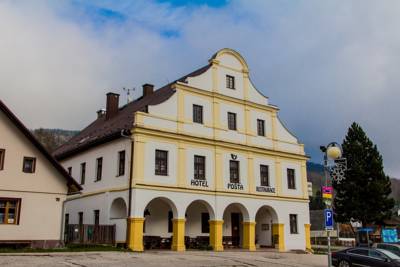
x=218, y=193
x=197, y=91
x=222, y=144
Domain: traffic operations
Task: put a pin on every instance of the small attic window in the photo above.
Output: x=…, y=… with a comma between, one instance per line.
x=230, y=82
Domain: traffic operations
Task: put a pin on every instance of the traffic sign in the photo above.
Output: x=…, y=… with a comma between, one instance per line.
x=327, y=192
x=328, y=219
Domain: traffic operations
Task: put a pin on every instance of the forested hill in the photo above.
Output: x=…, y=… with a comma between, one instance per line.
x=53, y=138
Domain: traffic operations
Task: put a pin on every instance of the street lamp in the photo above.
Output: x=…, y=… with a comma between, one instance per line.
x=331, y=152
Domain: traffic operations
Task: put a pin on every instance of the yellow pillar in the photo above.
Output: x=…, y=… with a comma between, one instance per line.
x=308, y=236
x=249, y=234
x=279, y=235
x=135, y=234
x=216, y=235
x=178, y=238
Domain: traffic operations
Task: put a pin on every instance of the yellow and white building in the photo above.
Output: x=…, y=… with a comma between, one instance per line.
x=205, y=157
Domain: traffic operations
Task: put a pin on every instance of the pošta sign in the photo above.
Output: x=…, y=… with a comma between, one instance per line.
x=202, y=183
x=266, y=189
x=236, y=186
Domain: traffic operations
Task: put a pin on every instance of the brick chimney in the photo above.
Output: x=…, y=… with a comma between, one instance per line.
x=148, y=89
x=112, y=105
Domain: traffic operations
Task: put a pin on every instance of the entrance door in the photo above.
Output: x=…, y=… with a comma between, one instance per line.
x=235, y=223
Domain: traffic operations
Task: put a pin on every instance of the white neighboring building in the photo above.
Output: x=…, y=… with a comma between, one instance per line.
x=33, y=187
x=204, y=157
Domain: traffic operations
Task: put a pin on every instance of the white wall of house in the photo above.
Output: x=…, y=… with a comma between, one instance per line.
x=109, y=153
x=204, y=129
x=168, y=191
x=193, y=220
x=209, y=166
x=42, y=192
x=219, y=208
x=203, y=81
x=149, y=170
x=102, y=202
x=299, y=189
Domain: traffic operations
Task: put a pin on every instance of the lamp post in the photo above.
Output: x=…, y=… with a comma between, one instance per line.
x=331, y=152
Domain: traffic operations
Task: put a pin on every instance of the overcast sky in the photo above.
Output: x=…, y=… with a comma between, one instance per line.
x=324, y=63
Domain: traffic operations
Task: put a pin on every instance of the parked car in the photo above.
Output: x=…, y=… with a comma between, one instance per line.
x=359, y=256
x=392, y=247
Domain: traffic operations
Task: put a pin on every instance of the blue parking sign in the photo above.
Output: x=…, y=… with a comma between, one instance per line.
x=328, y=219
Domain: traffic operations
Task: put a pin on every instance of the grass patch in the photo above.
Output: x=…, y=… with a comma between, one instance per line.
x=68, y=248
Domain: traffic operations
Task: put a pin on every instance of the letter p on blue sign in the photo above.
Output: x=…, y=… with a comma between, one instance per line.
x=328, y=219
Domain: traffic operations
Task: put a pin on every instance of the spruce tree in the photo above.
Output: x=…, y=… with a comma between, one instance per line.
x=364, y=193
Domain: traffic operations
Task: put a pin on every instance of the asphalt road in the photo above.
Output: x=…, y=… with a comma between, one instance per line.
x=164, y=258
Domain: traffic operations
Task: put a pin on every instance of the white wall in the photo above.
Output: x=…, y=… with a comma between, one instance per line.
x=237, y=136
x=264, y=236
x=210, y=162
x=110, y=178
x=203, y=81
x=298, y=192
x=204, y=129
x=101, y=202
x=166, y=114
x=248, y=207
x=40, y=217
x=42, y=192
x=156, y=223
x=193, y=220
x=242, y=170
x=227, y=226
x=270, y=162
x=149, y=169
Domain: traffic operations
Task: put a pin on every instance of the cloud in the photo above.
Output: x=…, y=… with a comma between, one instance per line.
x=324, y=63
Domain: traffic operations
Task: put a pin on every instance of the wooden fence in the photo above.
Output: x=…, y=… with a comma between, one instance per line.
x=90, y=234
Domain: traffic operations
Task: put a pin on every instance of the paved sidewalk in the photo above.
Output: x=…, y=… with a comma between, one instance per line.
x=163, y=258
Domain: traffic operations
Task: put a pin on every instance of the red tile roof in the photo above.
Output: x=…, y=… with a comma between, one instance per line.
x=101, y=130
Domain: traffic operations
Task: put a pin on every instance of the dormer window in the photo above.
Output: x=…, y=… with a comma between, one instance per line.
x=230, y=82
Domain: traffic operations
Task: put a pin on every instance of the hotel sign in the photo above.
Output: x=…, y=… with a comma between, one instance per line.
x=197, y=182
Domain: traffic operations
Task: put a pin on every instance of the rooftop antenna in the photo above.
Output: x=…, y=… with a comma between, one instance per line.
x=128, y=93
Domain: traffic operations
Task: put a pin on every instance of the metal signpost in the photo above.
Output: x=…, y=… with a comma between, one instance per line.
x=329, y=227
x=333, y=152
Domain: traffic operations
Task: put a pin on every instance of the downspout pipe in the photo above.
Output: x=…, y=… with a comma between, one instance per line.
x=126, y=134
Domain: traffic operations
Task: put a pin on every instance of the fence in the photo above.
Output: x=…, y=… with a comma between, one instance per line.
x=90, y=234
